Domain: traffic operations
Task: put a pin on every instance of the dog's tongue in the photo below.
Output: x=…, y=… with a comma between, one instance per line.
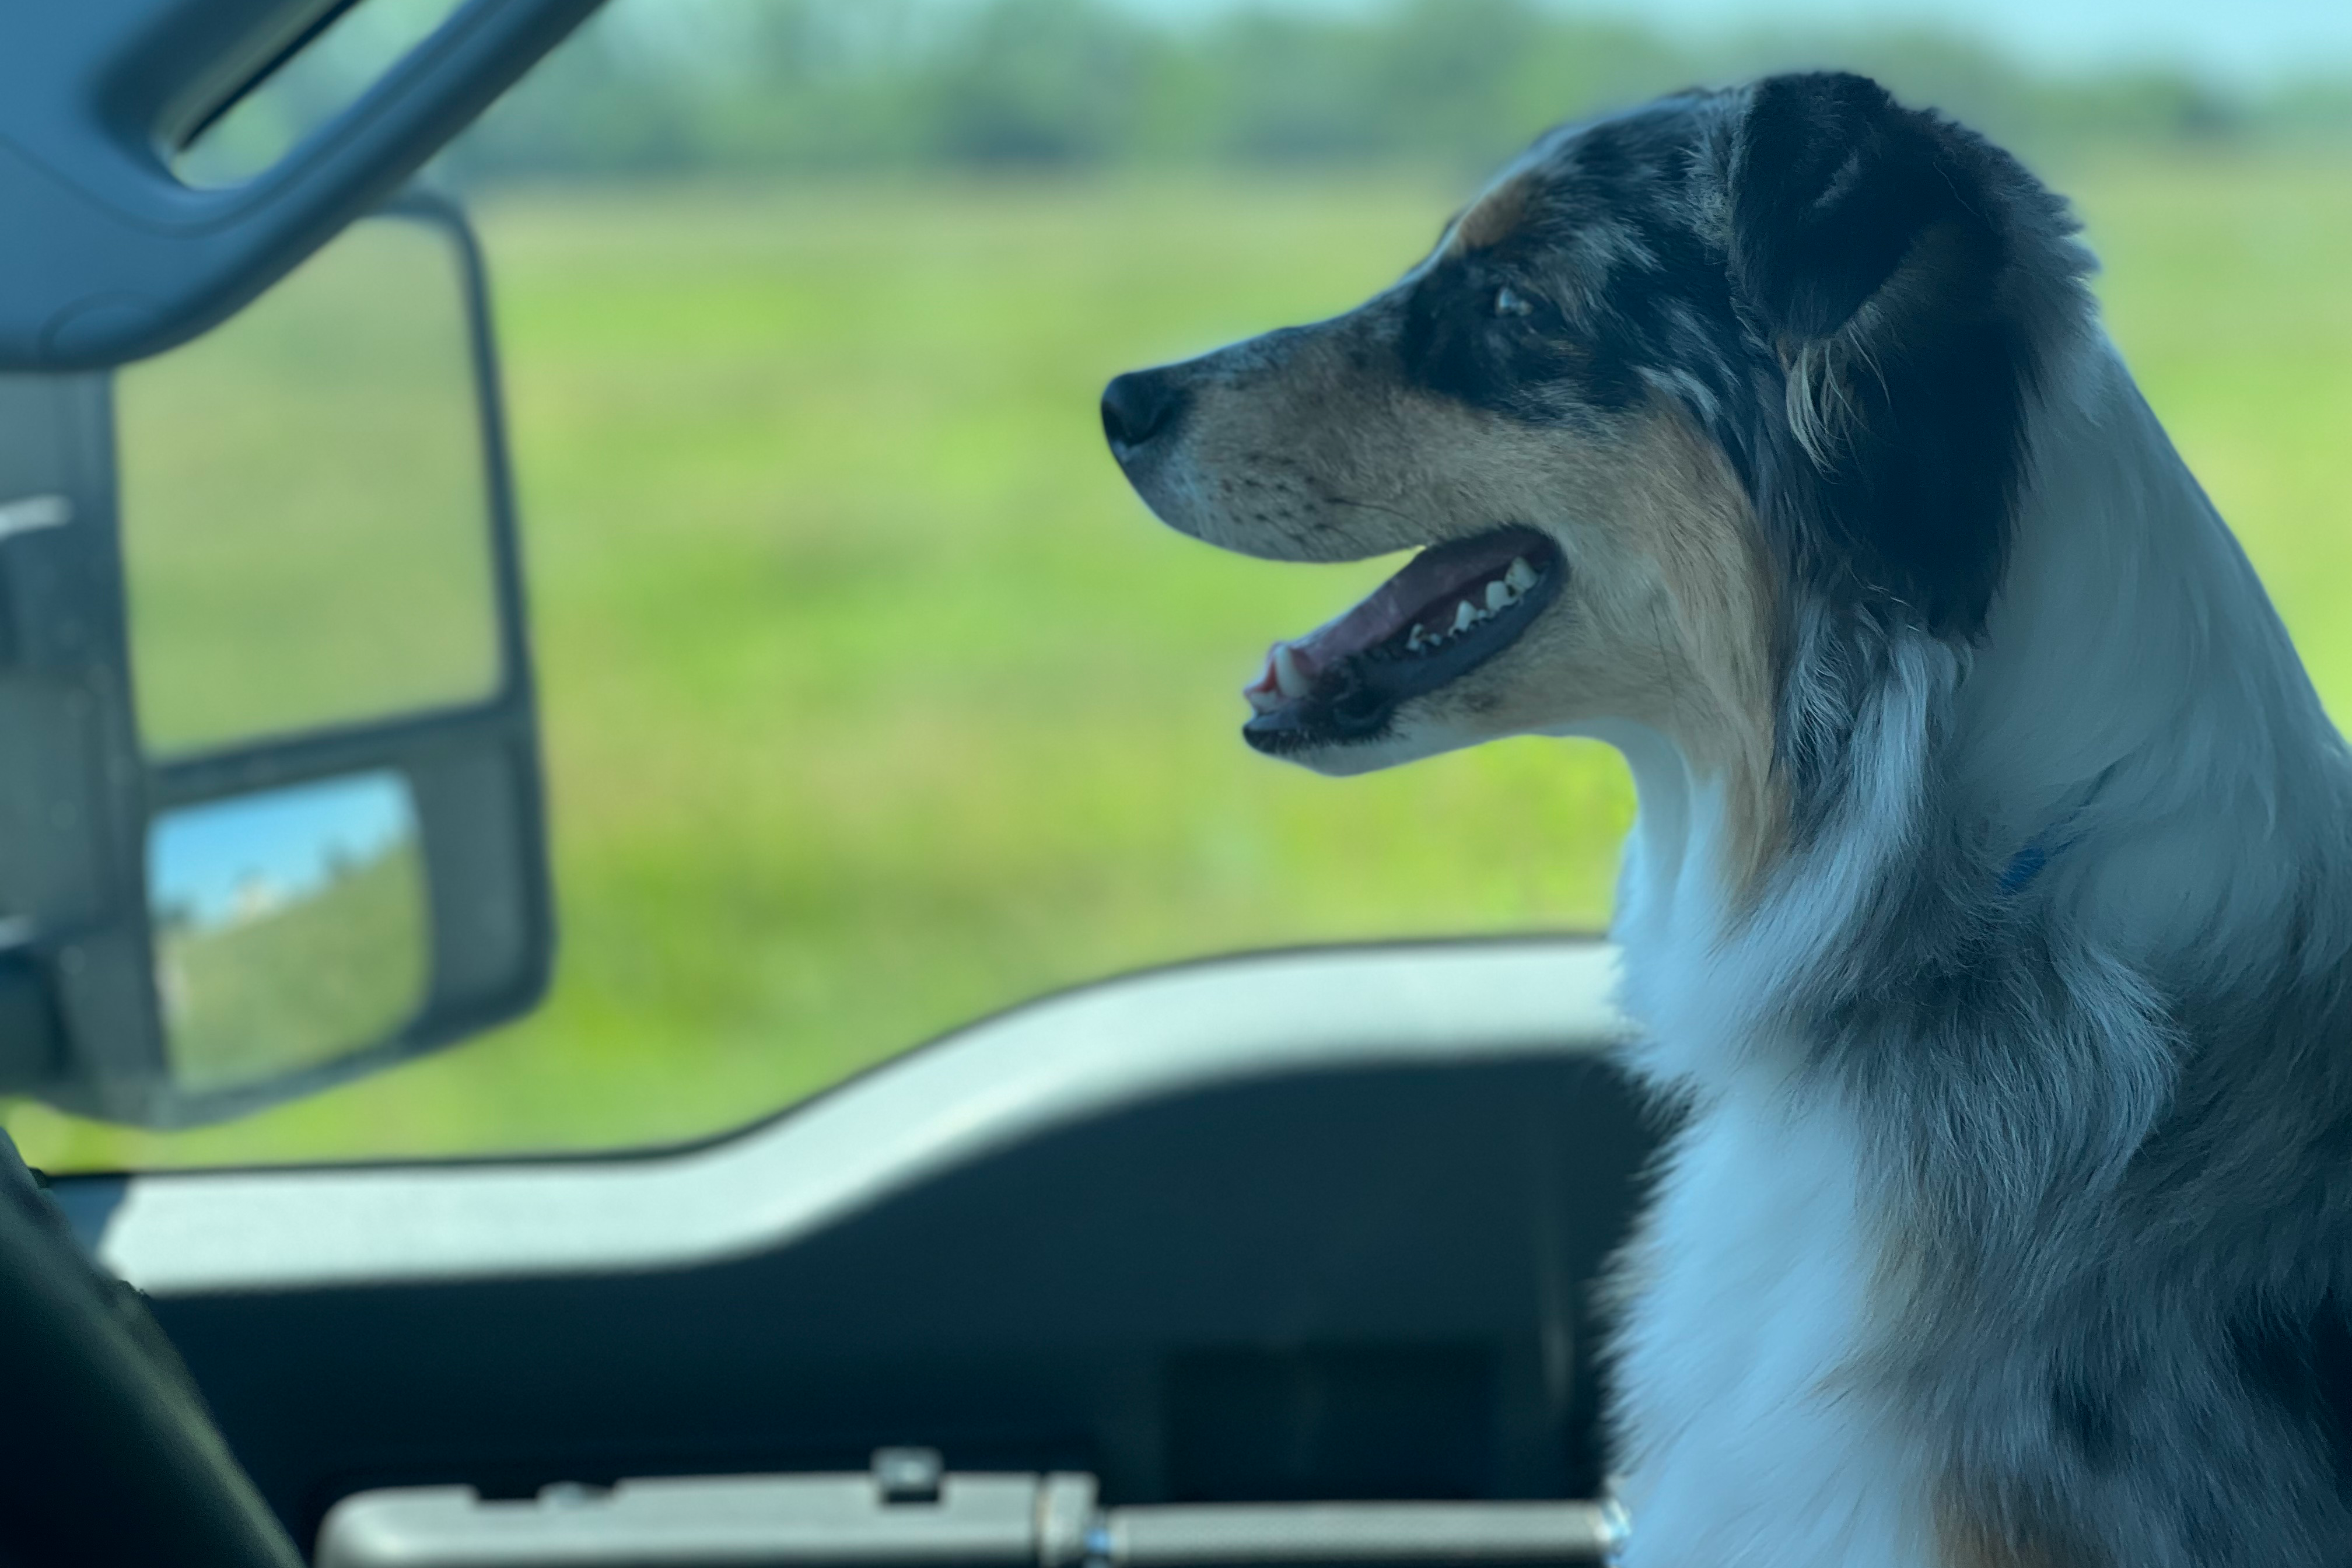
x=1293, y=667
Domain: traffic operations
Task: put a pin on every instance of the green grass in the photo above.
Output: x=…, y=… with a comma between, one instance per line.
x=325, y=975
x=875, y=702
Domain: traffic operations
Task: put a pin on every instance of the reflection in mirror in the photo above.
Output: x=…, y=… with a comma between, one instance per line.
x=305, y=510
x=291, y=926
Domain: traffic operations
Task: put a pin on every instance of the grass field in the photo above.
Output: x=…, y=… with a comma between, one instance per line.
x=875, y=702
x=334, y=970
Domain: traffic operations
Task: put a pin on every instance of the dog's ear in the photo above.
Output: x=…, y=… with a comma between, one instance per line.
x=1867, y=248
x=1833, y=183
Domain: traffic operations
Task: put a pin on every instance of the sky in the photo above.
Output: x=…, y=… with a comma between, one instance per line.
x=2247, y=42
x=202, y=858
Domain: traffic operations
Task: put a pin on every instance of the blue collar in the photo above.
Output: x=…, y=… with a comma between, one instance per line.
x=2050, y=843
x=2024, y=866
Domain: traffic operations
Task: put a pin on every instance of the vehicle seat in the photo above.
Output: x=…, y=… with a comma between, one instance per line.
x=106, y=1453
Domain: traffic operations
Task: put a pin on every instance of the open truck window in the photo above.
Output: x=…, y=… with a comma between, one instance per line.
x=873, y=703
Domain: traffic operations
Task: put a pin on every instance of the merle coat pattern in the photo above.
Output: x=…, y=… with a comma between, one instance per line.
x=1989, y=907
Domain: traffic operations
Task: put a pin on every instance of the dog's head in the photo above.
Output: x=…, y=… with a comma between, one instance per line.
x=1675, y=376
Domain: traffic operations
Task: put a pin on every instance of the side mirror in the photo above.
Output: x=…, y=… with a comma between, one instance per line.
x=270, y=790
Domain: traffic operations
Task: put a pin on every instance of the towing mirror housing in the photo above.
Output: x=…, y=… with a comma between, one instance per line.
x=271, y=810
x=113, y=257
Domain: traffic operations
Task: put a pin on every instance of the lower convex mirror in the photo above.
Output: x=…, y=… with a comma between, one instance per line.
x=290, y=928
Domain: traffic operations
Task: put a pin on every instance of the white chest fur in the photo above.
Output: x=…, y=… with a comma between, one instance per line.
x=1749, y=1438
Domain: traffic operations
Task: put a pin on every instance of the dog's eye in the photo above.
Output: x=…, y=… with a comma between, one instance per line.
x=1510, y=302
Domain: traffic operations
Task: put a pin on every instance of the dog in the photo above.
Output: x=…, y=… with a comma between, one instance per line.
x=1988, y=911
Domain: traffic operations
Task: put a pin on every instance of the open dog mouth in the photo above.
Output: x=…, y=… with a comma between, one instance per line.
x=1454, y=608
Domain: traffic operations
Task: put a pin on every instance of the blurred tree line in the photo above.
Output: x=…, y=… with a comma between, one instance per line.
x=671, y=86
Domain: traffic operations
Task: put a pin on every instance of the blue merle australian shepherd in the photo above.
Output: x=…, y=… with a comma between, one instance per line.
x=1990, y=906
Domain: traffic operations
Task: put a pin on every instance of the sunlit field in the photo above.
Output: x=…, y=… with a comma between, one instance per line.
x=874, y=702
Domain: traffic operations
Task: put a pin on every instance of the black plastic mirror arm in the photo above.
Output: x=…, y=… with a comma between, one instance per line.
x=117, y=258
x=32, y=1046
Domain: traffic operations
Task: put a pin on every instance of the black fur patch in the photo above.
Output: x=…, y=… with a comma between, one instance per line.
x=2305, y=1371
x=1831, y=186
x=1883, y=239
x=2085, y=1417
x=1455, y=342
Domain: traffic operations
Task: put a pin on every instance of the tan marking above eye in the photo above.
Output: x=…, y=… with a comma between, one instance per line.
x=1492, y=218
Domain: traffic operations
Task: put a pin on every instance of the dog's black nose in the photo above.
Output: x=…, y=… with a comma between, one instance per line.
x=1140, y=406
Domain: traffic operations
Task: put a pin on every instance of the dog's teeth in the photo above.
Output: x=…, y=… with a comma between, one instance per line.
x=1413, y=643
x=1288, y=676
x=1463, y=615
x=1498, y=595
x=1261, y=694
x=1521, y=576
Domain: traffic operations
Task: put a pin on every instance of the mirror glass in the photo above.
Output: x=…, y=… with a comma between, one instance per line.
x=305, y=507
x=291, y=926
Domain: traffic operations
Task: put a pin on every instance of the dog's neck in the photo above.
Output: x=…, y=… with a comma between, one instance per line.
x=2137, y=703
x=2133, y=732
